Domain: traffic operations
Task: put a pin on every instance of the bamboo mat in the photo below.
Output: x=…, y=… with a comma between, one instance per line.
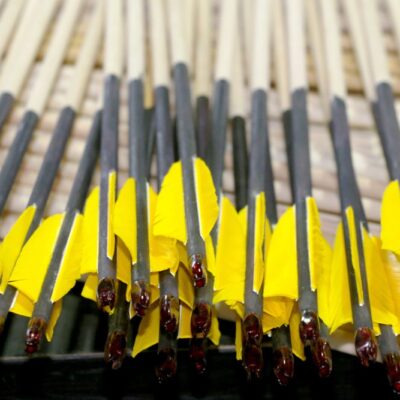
x=369, y=162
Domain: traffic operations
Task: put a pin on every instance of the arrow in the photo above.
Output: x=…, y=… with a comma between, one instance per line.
x=202, y=67
x=38, y=98
x=369, y=48
x=188, y=185
x=166, y=364
x=60, y=228
x=56, y=246
x=32, y=28
x=113, y=66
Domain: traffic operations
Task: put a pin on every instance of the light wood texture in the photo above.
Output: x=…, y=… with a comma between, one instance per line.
x=54, y=56
x=359, y=41
x=176, y=32
x=260, y=71
x=86, y=60
x=17, y=66
x=225, y=44
x=372, y=33
x=190, y=7
x=238, y=97
x=318, y=50
x=159, y=51
x=114, y=38
x=136, y=39
x=203, y=53
x=296, y=44
x=279, y=46
x=8, y=20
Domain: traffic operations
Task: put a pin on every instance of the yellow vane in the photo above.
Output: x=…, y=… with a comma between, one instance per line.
x=163, y=251
x=339, y=294
x=391, y=266
x=231, y=255
x=22, y=305
x=281, y=264
x=170, y=213
x=355, y=258
x=112, y=178
x=13, y=243
x=31, y=267
x=259, y=243
x=90, y=234
x=297, y=344
x=382, y=298
x=39, y=250
x=390, y=217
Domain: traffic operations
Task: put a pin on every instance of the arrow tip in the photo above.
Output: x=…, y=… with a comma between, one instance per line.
x=309, y=327
x=34, y=334
x=106, y=294
x=169, y=313
x=197, y=356
x=198, y=270
x=392, y=364
x=140, y=297
x=166, y=365
x=366, y=346
x=201, y=320
x=114, y=351
x=322, y=357
x=283, y=365
x=252, y=352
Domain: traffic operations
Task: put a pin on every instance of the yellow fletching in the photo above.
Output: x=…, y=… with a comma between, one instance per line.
x=214, y=335
x=69, y=270
x=392, y=269
x=89, y=290
x=55, y=314
x=339, y=292
x=112, y=179
x=243, y=218
x=125, y=217
x=183, y=257
x=149, y=330
x=259, y=245
x=185, y=315
x=185, y=287
x=314, y=241
x=238, y=338
x=355, y=257
x=323, y=283
x=164, y=253
x=170, y=219
x=231, y=256
x=13, y=243
x=124, y=267
x=390, y=217
x=207, y=201
x=31, y=267
x=281, y=269
x=210, y=255
x=170, y=214
x=382, y=303
x=276, y=312
x=297, y=345
x=22, y=305
x=90, y=233
x=267, y=240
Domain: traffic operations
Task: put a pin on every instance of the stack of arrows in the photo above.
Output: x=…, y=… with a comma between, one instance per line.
x=150, y=232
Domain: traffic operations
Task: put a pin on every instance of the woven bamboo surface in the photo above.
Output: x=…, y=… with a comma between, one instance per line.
x=369, y=162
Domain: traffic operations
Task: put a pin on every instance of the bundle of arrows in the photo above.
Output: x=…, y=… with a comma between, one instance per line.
x=187, y=167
